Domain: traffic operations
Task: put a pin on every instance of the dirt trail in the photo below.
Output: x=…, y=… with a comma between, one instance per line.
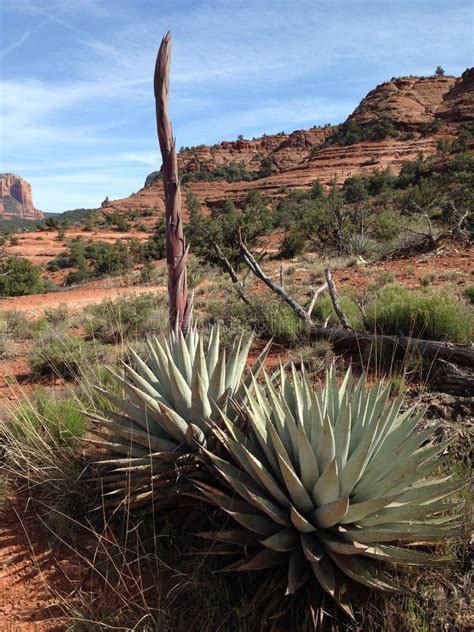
x=75, y=297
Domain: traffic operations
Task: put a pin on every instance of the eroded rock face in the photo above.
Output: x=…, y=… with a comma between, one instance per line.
x=16, y=198
x=407, y=101
x=282, y=162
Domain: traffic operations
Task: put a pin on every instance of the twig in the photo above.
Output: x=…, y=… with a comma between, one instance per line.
x=335, y=300
x=233, y=275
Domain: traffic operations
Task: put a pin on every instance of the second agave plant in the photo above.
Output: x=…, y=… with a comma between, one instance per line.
x=170, y=399
x=327, y=485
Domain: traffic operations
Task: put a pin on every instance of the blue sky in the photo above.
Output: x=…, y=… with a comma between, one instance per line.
x=77, y=113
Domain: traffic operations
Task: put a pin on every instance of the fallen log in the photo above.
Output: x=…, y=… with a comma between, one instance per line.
x=356, y=340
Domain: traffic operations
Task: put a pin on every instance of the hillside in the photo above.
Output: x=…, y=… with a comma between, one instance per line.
x=16, y=199
x=394, y=123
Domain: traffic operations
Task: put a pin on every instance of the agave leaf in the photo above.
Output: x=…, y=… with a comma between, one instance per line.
x=297, y=571
x=404, y=513
x=253, y=373
x=181, y=391
x=342, y=433
x=324, y=573
x=403, y=532
x=311, y=547
x=326, y=489
x=332, y=543
x=284, y=540
x=361, y=571
x=300, y=522
x=239, y=537
x=217, y=377
x=357, y=511
x=355, y=465
x=265, y=558
x=431, y=491
x=326, y=446
x=212, y=352
x=307, y=460
x=134, y=435
x=201, y=409
x=402, y=474
x=330, y=514
x=295, y=488
x=405, y=557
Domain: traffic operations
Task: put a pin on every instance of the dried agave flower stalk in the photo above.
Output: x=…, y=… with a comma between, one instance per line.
x=180, y=303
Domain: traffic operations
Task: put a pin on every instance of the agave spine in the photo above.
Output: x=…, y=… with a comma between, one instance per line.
x=172, y=397
x=328, y=484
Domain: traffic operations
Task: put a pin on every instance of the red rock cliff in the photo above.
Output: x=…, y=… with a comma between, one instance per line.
x=16, y=198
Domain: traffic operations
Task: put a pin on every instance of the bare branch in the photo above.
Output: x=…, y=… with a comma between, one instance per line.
x=314, y=298
x=252, y=263
x=335, y=300
x=233, y=275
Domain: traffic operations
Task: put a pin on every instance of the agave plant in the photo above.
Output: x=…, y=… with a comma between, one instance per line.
x=327, y=485
x=171, y=398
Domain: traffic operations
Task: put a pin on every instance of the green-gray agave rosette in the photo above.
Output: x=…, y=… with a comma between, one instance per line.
x=170, y=399
x=328, y=484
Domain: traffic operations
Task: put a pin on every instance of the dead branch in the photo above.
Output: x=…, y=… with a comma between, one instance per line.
x=314, y=298
x=335, y=300
x=254, y=266
x=233, y=275
x=180, y=303
x=356, y=340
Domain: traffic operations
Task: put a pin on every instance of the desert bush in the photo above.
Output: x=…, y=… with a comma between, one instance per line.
x=434, y=315
x=16, y=324
x=292, y=244
x=19, y=277
x=42, y=464
x=58, y=316
x=126, y=317
x=49, y=413
x=61, y=354
x=324, y=310
x=278, y=321
x=469, y=293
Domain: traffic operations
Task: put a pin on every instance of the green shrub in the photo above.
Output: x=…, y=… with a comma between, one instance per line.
x=292, y=244
x=16, y=324
x=19, y=277
x=58, y=316
x=277, y=320
x=51, y=413
x=469, y=293
x=60, y=354
x=324, y=310
x=387, y=225
x=433, y=315
x=126, y=317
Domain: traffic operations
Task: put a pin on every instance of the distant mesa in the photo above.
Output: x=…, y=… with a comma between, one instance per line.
x=16, y=198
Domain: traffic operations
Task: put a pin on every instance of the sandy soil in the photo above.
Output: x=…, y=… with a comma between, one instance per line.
x=27, y=567
x=75, y=297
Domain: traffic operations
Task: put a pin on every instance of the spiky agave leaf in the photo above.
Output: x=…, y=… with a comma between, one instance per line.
x=169, y=401
x=330, y=483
